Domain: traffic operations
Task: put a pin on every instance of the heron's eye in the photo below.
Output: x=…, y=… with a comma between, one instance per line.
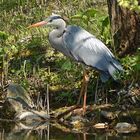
x=51, y=20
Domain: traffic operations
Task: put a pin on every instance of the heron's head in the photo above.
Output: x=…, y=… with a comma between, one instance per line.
x=54, y=20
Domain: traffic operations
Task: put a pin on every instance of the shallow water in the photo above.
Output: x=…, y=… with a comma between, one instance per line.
x=9, y=131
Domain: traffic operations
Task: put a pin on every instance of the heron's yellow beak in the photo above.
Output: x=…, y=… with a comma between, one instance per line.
x=37, y=24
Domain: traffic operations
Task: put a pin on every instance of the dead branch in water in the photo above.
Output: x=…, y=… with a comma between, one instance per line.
x=58, y=114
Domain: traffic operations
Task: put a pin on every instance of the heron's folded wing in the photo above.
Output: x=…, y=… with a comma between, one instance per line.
x=87, y=49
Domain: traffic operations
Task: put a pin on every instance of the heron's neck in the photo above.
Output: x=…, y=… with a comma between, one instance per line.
x=59, y=31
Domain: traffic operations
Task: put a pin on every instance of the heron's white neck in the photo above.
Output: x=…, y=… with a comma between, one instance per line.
x=58, y=31
x=56, y=38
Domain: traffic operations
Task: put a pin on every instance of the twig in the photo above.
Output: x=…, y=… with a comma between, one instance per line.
x=67, y=111
x=96, y=107
x=48, y=106
x=48, y=132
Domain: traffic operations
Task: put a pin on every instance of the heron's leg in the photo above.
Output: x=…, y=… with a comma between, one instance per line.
x=84, y=90
x=81, y=91
x=86, y=80
x=96, y=91
x=83, y=86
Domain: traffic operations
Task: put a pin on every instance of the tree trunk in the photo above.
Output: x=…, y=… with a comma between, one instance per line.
x=125, y=28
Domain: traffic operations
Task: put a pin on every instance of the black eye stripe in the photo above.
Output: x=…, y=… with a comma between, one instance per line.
x=55, y=17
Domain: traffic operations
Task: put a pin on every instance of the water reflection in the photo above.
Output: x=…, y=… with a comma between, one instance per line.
x=50, y=132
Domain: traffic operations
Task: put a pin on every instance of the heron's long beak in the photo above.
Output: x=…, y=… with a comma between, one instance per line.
x=38, y=24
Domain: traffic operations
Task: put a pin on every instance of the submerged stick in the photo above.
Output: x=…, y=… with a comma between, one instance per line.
x=48, y=105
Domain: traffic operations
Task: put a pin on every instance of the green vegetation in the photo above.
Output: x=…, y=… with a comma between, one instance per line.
x=27, y=58
x=131, y=4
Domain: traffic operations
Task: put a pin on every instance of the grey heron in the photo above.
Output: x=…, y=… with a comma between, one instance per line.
x=80, y=45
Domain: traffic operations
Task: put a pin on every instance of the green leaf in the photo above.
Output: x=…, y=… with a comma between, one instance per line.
x=67, y=65
x=1, y=50
x=105, y=21
x=14, y=49
x=77, y=16
x=90, y=12
x=137, y=67
x=3, y=35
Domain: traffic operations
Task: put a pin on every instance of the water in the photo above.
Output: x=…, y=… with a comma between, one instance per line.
x=10, y=131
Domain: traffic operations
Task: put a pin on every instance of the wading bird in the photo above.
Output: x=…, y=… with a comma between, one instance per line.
x=78, y=44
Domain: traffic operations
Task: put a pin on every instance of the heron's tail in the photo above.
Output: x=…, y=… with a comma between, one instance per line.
x=104, y=76
x=114, y=69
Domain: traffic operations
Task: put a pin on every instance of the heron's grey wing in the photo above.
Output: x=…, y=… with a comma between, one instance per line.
x=87, y=49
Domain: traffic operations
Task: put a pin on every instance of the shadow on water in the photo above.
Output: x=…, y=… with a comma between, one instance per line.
x=48, y=131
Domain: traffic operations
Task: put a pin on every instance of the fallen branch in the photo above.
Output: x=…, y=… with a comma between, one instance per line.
x=70, y=109
x=90, y=108
x=77, y=110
